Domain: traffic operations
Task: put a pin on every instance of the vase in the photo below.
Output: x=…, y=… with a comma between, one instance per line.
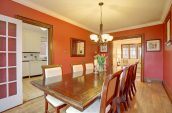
x=101, y=68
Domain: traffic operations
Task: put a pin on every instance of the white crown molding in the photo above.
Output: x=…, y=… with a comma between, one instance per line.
x=135, y=27
x=51, y=13
x=166, y=10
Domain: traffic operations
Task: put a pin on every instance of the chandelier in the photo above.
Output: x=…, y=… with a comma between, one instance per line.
x=101, y=38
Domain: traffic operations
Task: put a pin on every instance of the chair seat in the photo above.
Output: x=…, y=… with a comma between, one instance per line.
x=93, y=108
x=52, y=100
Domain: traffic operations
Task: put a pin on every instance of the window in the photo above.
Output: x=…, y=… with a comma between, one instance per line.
x=125, y=51
x=132, y=51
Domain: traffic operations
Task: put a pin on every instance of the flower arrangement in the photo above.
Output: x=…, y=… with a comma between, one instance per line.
x=100, y=60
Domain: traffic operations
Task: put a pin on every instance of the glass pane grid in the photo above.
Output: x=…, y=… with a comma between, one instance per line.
x=8, y=74
x=11, y=37
x=3, y=36
x=2, y=51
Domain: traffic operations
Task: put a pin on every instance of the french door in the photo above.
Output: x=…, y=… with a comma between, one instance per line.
x=10, y=62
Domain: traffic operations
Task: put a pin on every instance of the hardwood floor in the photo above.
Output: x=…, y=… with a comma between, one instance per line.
x=150, y=98
x=29, y=91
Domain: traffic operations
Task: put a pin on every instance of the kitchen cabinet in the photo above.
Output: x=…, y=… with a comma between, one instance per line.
x=25, y=71
x=35, y=67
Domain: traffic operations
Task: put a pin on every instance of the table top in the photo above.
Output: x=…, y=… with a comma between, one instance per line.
x=78, y=92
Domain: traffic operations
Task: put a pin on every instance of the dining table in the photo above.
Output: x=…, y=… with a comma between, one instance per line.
x=76, y=91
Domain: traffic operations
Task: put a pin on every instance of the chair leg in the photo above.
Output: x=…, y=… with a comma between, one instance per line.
x=46, y=106
x=118, y=108
x=125, y=106
x=134, y=86
x=57, y=110
x=127, y=100
x=132, y=90
x=130, y=94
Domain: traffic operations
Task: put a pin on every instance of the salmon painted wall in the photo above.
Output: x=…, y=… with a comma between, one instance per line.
x=167, y=78
x=62, y=32
x=153, y=61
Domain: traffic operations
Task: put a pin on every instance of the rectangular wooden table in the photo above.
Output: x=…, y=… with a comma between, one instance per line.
x=78, y=92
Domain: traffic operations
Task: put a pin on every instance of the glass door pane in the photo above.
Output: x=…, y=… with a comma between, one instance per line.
x=11, y=44
x=2, y=43
x=2, y=27
x=12, y=29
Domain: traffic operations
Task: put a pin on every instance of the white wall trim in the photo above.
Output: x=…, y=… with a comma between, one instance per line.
x=51, y=13
x=166, y=10
x=136, y=27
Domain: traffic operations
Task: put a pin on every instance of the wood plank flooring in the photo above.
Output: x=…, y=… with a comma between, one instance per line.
x=150, y=98
x=30, y=91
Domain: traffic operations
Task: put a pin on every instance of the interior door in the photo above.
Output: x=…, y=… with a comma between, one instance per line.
x=10, y=62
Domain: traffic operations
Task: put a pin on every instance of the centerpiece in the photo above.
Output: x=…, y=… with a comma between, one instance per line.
x=100, y=62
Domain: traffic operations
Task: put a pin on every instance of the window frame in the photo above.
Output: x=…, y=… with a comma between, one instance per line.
x=129, y=48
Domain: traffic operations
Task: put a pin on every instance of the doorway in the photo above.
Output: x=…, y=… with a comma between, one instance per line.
x=128, y=51
x=37, y=51
x=34, y=55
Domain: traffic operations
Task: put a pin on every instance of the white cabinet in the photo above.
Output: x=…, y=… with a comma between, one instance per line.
x=35, y=67
x=25, y=71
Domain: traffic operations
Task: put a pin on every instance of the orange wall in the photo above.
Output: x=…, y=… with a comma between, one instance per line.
x=167, y=78
x=153, y=61
x=62, y=32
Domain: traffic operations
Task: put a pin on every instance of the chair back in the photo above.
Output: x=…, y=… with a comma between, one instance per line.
x=128, y=78
x=77, y=70
x=89, y=68
x=51, y=71
x=110, y=89
x=135, y=71
x=123, y=78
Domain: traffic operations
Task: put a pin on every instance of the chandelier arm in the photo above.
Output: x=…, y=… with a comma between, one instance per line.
x=101, y=38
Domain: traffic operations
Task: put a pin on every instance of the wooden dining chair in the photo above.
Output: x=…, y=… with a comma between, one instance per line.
x=77, y=70
x=48, y=72
x=125, y=92
x=121, y=97
x=89, y=68
x=128, y=83
x=109, y=92
x=133, y=86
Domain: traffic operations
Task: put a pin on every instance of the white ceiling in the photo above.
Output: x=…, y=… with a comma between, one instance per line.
x=117, y=14
x=34, y=28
